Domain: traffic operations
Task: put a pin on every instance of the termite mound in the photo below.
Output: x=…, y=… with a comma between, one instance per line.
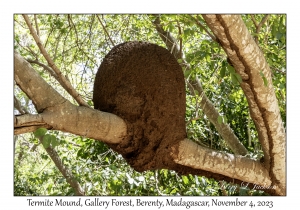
x=143, y=84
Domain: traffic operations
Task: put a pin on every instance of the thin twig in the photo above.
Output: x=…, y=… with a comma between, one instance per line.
x=19, y=107
x=64, y=170
x=47, y=68
x=254, y=21
x=180, y=39
x=201, y=26
x=61, y=78
x=258, y=26
x=106, y=31
x=36, y=26
x=79, y=45
x=262, y=22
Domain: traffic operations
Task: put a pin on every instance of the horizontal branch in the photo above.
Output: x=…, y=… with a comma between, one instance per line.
x=235, y=166
x=59, y=114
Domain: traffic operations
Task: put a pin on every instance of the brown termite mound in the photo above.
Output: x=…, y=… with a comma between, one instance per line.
x=143, y=84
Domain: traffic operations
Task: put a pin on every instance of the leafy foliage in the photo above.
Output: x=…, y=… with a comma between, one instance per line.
x=78, y=43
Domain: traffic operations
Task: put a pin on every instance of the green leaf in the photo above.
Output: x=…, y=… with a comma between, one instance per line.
x=40, y=132
x=264, y=78
x=185, y=180
x=222, y=72
x=187, y=32
x=279, y=35
x=46, y=141
x=243, y=191
x=179, y=60
x=63, y=30
x=207, y=58
x=225, y=119
x=220, y=119
x=187, y=73
x=265, y=81
x=239, y=78
x=173, y=191
x=230, y=69
x=234, y=79
x=54, y=141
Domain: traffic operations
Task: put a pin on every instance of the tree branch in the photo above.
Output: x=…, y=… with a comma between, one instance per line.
x=36, y=25
x=168, y=39
x=201, y=26
x=64, y=116
x=253, y=20
x=64, y=170
x=29, y=123
x=265, y=18
x=198, y=157
x=112, y=42
x=48, y=69
x=258, y=26
x=61, y=79
x=59, y=114
x=248, y=61
x=225, y=131
x=18, y=106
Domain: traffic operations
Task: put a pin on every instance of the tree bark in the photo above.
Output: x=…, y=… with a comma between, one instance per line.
x=249, y=62
x=58, y=113
x=234, y=166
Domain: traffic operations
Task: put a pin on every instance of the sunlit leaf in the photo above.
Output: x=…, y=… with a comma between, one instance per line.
x=46, y=141
x=40, y=132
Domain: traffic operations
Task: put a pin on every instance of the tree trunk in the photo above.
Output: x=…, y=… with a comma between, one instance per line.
x=250, y=63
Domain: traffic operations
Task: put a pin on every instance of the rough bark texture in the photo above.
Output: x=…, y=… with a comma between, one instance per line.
x=248, y=61
x=143, y=84
x=234, y=166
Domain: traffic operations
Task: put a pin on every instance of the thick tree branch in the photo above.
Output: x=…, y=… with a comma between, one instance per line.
x=193, y=155
x=61, y=79
x=28, y=123
x=59, y=114
x=249, y=62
